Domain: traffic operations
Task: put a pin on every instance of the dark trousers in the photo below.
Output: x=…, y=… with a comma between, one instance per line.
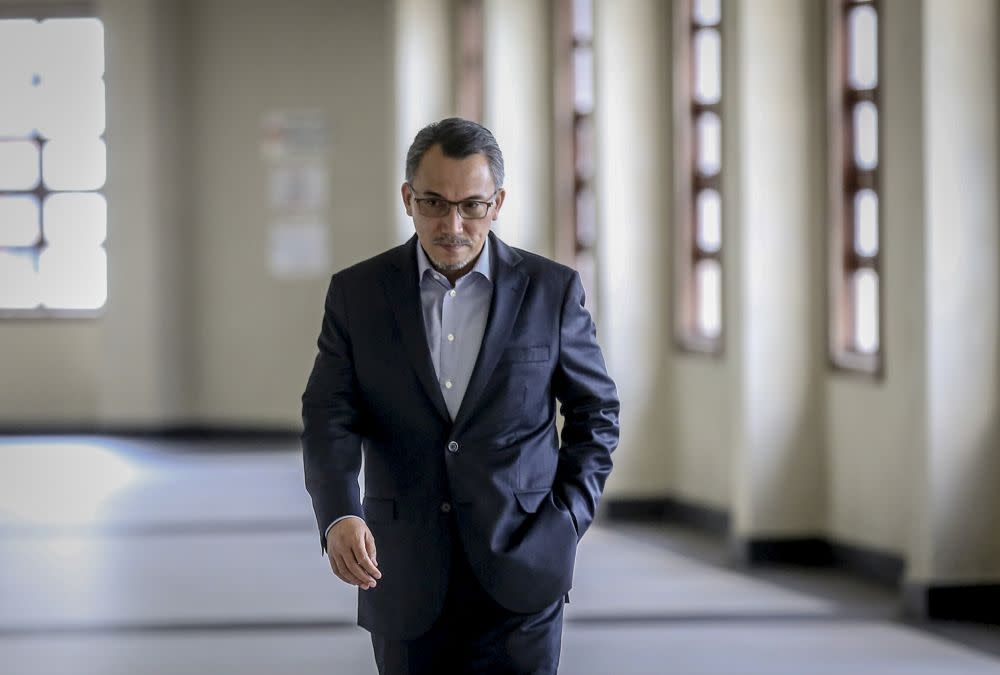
x=476, y=636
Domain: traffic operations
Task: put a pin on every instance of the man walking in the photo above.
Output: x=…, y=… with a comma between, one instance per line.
x=443, y=361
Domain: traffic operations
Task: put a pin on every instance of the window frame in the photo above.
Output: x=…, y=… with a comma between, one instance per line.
x=470, y=29
x=572, y=129
x=846, y=180
x=688, y=183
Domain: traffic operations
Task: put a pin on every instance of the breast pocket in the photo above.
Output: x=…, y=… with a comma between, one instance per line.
x=516, y=355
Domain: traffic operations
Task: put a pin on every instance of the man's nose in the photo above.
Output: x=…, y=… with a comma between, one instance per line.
x=454, y=220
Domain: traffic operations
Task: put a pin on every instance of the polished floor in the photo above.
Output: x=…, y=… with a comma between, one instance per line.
x=136, y=557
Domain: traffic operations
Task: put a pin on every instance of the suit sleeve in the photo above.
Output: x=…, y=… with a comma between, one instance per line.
x=589, y=405
x=331, y=439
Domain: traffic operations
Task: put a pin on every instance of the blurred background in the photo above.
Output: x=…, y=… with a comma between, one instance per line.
x=786, y=217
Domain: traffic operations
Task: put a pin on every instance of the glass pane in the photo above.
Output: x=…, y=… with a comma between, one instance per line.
x=583, y=19
x=17, y=113
x=707, y=12
x=18, y=47
x=707, y=66
x=709, y=209
x=71, y=108
x=866, y=311
x=866, y=135
x=19, y=221
x=708, y=277
x=584, y=134
x=18, y=165
x=583, y=80
x=862, y=48
x=586, y=219
x=866, y=223
x=75, y=164
x=77, y=219
x=72, y=48
x=73, y=279
x=709, y=144
x=19, y=288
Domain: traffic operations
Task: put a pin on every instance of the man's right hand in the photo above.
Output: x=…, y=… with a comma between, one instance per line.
x=350, y=547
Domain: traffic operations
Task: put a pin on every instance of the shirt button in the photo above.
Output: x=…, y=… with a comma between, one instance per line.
x=445, y=507
x=447, y=384
x=452, y=292
x=451, y=337
x=453, y=446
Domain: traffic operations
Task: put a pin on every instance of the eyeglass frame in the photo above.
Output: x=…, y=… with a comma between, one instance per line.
x=457, y=205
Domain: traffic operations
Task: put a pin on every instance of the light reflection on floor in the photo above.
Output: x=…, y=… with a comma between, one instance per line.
x=60, y=481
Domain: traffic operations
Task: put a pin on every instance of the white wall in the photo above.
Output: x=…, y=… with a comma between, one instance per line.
x=779, y=477
x=962, y=286
x=634, y=208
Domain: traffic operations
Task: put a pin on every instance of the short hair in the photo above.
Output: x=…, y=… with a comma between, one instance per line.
x=458, y=139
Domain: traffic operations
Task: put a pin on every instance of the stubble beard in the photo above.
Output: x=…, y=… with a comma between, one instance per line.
x=455, y=266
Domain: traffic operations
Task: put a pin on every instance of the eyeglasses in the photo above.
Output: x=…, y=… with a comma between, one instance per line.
x=437, y=207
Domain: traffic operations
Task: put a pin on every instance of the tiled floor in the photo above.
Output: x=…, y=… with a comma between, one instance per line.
x=123, y=556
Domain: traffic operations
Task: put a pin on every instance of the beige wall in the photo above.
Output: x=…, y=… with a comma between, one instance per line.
x=255, y=335
x=196, y=330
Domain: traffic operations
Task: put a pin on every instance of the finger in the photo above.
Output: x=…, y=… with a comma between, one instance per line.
x=367, y=564
x=353, y=573
x=357, y=570
x=338, y=570
x=370, y=546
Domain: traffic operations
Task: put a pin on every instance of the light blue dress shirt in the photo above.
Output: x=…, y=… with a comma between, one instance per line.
x=455, y=322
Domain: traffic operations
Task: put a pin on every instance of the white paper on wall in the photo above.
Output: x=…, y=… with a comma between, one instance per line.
x=294, y=147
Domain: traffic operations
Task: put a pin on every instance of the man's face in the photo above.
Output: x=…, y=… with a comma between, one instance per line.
x=452, y=243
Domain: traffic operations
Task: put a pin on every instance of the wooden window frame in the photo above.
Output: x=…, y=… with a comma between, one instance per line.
x=688, y=183
x=573, y=128
x=845, y=181
x=470, y=92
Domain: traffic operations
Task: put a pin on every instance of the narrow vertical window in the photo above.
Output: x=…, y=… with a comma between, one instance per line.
x=855, y=222
x=53, y=165
x=470, y=91
x=698, y=242
x=576, y=238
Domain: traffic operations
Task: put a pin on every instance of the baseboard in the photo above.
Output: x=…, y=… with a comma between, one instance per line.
x=181, y=432
x=805, y=551
x=877, y=566
x=666, y=509
x=959, y=602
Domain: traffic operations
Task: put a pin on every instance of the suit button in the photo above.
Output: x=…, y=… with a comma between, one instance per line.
x=453, y=446
x=445, y=507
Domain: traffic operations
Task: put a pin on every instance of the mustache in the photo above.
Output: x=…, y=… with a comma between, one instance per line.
x=451, y=240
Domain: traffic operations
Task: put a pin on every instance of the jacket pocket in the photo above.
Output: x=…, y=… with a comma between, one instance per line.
x=379, y=510
x=526, y=354
x=530, y=500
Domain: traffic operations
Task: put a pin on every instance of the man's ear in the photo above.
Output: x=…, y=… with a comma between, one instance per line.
x=501, y=195
x=407, y=199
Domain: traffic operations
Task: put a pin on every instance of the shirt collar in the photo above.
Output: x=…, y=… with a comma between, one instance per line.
x=483, y=264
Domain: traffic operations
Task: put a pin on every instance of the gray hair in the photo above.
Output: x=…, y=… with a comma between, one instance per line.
x=458, y=139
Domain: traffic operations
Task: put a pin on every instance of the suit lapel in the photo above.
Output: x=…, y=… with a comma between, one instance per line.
x=402, y=292
x=509, y=286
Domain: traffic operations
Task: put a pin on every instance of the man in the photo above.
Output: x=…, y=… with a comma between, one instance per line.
x=442, y=360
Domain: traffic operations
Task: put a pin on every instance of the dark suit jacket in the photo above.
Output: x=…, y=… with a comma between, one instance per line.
x=522, y=500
